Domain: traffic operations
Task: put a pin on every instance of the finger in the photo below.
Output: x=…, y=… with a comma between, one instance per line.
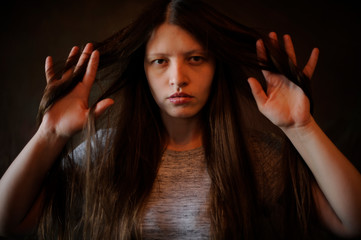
x=257, y=91
x=267, y=75
x=73, y=52
x=274, y=38
x=69, y=64
x=91, y=70
x=102, y=106
x=49, y=71
x=309, y=69
x=262, y=56
x=67, y=75
x=261, y=51
x=289, y=48
x=84, y=56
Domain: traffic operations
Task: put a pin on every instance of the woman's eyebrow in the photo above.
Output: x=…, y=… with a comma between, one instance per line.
x=186, y=53
x=155, y=54
x=196, y=51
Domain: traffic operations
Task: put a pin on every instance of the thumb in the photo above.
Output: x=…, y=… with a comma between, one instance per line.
x=101, y=106
x=257, y=91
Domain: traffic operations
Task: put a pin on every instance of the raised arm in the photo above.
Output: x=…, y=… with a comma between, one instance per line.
x=338, y=190
x=21, y=185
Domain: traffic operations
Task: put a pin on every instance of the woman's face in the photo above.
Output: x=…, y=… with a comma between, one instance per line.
x=179, y=71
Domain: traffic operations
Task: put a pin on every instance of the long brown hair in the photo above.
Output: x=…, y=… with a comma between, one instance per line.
x=105, y=199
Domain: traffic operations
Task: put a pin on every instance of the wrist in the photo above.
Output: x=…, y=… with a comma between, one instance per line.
x=50, y=135
x=301, y=131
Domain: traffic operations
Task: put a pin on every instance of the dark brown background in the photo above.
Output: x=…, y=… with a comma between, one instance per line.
x=31, y=31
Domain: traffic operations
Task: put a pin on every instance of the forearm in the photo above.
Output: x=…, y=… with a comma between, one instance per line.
x=337, y=178
x=21, y=184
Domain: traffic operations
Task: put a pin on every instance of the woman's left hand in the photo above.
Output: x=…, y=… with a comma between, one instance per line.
x=284, y=104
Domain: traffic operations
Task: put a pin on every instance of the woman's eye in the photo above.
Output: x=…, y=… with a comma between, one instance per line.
x=159, y=61
x=196, y=59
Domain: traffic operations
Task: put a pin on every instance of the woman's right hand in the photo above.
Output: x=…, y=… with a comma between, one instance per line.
x=21, y=187
x=69, y=114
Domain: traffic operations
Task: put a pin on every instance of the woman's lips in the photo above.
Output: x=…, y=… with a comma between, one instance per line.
x=180, y=98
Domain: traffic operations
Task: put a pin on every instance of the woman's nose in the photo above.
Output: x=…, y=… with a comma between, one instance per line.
x=178, y=77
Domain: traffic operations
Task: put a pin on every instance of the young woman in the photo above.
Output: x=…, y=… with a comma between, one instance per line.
x=182, y=154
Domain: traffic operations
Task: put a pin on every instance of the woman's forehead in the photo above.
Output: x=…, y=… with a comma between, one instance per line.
x=170, y=38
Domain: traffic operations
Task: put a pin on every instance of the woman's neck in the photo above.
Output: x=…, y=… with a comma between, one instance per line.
x=184, y=133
